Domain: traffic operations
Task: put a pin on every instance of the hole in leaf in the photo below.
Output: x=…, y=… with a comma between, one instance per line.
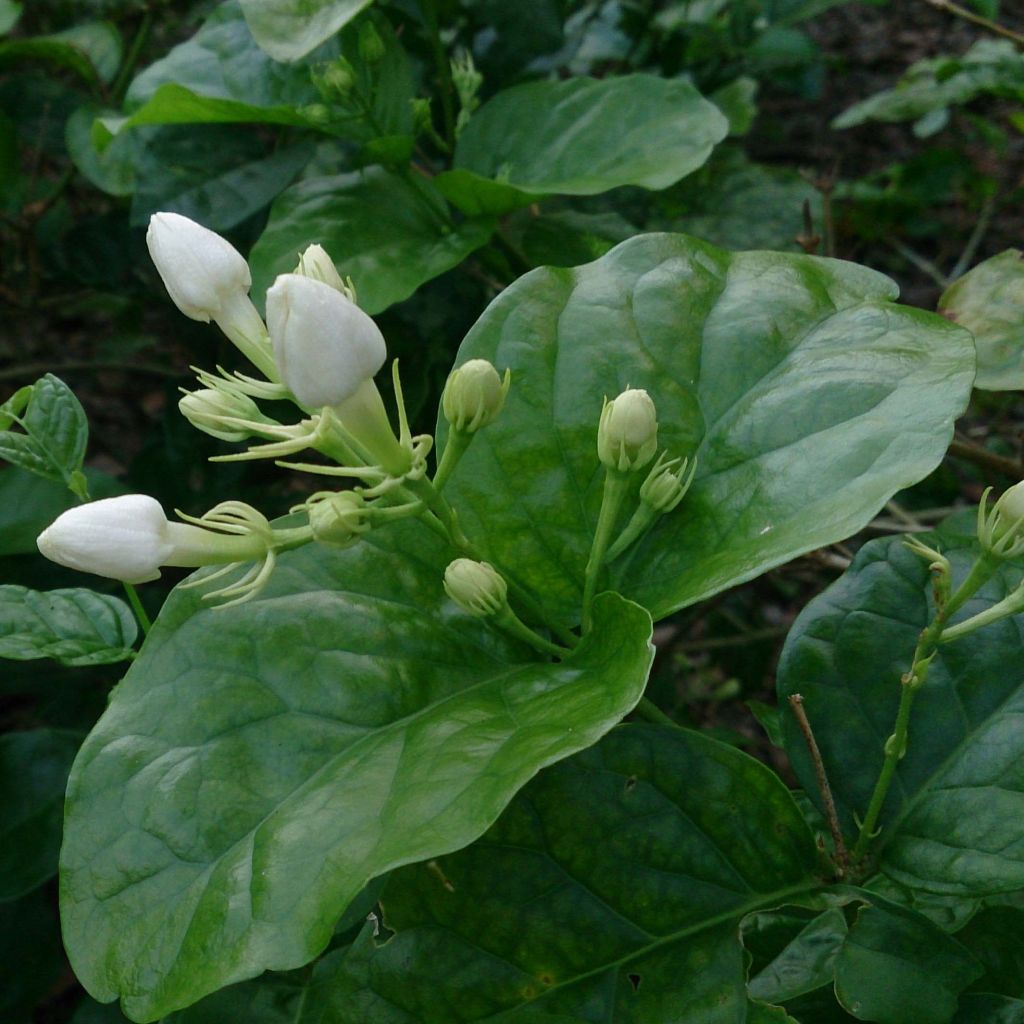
x=634, y=980
x=630, y=783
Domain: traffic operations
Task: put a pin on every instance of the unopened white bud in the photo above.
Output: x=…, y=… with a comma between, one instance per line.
x=325, y=346
x=476, y=587
x=627, y=436
x=204, y=273
x=315, y=263
x=1010, y=505
x=474, y=395
x=124, y=538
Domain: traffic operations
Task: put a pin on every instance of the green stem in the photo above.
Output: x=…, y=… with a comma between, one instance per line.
x=455, y=447
x=649, y=710
x=640, y=523
x=446, y=87
x=896, y=745
x=615, y=487
x=140, y=612
x=511, y=623
x=124, y=73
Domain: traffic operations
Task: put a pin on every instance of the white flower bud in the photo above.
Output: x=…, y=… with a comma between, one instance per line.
x=476, y=587
x=627, y=436
x=125, y=538
x=204, y=273
x=338, y=518
x=315, y=263
x=1010, y=505
x=474, y=395
x=206, y=409
x=325, y=346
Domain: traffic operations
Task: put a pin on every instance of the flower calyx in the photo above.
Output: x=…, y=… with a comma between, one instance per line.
x=667, y=483
x=1001, y=530
x=224, y=412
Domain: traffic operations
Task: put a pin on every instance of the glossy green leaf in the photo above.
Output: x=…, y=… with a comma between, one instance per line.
x=289, y=29
x=953, y=821
x=896, y=967
x=34, y=768
x=806, y=963
x=989, y=302
x=476, y=195
x=995, y=935
x=74, y=627
x=259, y=764
x=587, y=135
x=808, y=396
x=220, y=74
x=612, y=888
x=218, y=178
x=113, y=169
x=55, y=433
x=389, y=233
x=270, y=999
x=989, y=1009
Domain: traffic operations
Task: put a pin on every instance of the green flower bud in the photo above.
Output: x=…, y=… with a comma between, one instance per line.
x=335, y=80
x=667, y=482
x=422, y=119
x=371, y=46
x=474, y=395
x=476, y=587
x=208, y=408
x=627, y=436
x=318, y=114
x=338, y=518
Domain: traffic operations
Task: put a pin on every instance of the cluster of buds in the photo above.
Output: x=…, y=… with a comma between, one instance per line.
x=320, y=351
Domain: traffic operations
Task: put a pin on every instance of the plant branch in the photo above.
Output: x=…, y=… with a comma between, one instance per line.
x=842, y=857
x=977, y=19
x=985, y=459
x=984, y=219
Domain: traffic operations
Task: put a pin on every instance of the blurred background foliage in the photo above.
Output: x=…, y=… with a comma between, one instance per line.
x=429, y=145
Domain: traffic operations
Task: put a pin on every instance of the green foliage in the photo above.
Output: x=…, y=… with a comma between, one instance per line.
x=290, y=29
x=397, y=740
x=896, y=967
x=748, y=358
x=988, y=300
x=586, y=135
x=53, y=435
x=74, y=627
x=391, y=233
x=537, y=921
x=950, y=820
x=930, y=87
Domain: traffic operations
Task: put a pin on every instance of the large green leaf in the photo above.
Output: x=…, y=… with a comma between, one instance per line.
x=74, y=627
x=896, y=967
x=612, y=888
x=220, y=74
x=953, y=821
x=994, y=935
x=289, y=29
x=808, y=396
x=260, y=763
x=388, y=232
x=34, y=768
x=989, y=302
x=587, y=135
